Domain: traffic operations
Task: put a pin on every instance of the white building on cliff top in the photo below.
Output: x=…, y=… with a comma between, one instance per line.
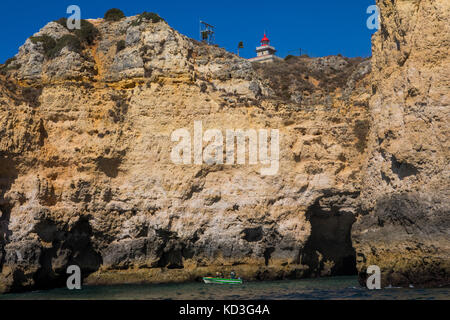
x=265, y=52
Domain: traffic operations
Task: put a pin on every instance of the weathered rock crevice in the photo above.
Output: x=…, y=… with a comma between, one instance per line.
x=5, y=215
x=403, y=169
x=8, y=173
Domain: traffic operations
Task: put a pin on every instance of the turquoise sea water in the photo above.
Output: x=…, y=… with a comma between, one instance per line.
x=322, y=289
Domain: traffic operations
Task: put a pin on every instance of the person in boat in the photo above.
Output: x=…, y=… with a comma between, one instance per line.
x=233, y=275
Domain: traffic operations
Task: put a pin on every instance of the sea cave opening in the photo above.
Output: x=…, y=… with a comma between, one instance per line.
x=329, y=250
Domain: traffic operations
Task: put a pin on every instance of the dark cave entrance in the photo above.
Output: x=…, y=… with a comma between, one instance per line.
x=329, y=249
x=70, y=246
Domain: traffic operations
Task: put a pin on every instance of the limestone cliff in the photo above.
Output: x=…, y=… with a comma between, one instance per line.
x=404, y=224
x=87, y=178
x=86, y=175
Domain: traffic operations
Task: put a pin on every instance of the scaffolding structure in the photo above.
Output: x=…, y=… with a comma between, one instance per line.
x=207, y=33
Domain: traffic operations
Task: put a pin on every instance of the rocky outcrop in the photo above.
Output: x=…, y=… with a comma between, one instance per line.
x=404, y=223
x=87, y=177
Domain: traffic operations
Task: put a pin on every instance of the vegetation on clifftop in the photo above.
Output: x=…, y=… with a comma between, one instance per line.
x=148, y=16
x=52, y=47
x=114, y=14
x=301, y=76
x=88, y=32
x=74, y=42
x=9, y=65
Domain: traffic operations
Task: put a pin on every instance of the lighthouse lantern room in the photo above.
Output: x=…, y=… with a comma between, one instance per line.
x=265, y=52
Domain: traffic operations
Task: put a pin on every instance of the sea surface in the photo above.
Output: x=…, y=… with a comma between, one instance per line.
x=320, y=289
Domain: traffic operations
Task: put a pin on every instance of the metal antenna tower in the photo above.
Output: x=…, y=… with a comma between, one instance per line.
x=207, y=32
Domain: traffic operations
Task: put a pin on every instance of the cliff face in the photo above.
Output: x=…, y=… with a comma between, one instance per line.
x=405, y=222
x=87, y=177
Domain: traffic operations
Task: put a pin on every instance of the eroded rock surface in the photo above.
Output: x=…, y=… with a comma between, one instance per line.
x=86, y=175
x=87, y=178
x=404, y=226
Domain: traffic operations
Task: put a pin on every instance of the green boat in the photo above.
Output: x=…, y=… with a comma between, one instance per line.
x=222, y=280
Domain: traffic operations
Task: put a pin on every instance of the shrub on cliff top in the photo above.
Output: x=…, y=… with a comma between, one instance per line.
x=74, y=42
x=149, y=16
x=87, y=33
x=47, y=42
x=53, y=47
x=62, y=21
x=8, y=62
x=8, y=65
x=288, y=57
x=69, y=41
x=114, y=14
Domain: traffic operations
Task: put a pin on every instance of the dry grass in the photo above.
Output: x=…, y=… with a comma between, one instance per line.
x=301, y=75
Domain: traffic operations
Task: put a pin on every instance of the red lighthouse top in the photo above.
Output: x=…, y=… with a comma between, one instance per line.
x=265, y=41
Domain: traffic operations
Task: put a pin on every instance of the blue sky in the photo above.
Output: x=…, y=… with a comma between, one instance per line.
x=320, y=28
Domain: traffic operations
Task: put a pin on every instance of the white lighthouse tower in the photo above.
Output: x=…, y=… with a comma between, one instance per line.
x=265, y=52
